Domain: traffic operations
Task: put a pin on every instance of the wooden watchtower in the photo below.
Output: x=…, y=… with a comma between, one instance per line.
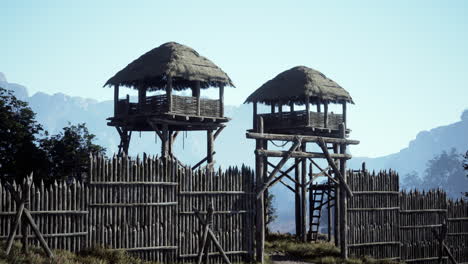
x=163, y=70
x=291, y=120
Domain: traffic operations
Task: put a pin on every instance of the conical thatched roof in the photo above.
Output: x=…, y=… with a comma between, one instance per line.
x=183, y=63
x=295, y=84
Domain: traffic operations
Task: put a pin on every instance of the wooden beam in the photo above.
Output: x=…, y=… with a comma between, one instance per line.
x=272, y=108
x=307, y=102
x=343, y=199
x=209, y=146
x=303, y=196
x=291, y=106
x=285, y=137
x=116, y=98
x=285, y=158
x=165, y=142
x=201, y=161
x=325, y=114
x=169, y=92
x=297, y=198
x=287, y=186
x=197, y=95
x=338, y=174
x=260, y=210
x=319, y=110
x=298, y=154
x=344, y=114
x=216, y=134
x=254, y=117
x=283, y=173
x=324, y=171
x=221, y=101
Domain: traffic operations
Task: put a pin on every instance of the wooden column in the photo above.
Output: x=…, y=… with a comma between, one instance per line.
x=272, y=108
x=24, y=223
x=171, y=143
x=325, y=115
x=319, y=109
x=197, y=93
x=329, y=223
x=116, y=98
x=267, y=192
x=280, y=107
x=254, y=117
x=344, y=115
x=169, y=93
x=291, y=107
x=209, y=147
x=303, y=196
x=336, y=227
x=165, y=141
x=343, y=200
x=311, y=201
x=141, y=98
x=307, y=102
x=260, y=218
x=221, y=101
x=297, y=197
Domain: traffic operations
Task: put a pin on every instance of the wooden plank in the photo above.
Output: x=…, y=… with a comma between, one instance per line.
x=299, y=154
x=284, y=137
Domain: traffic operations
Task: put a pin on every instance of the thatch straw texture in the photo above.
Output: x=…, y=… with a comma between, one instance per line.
x=295, y=84
x=183, y=63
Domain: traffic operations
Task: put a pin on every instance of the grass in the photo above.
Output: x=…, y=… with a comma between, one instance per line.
x=321, y=252
x=96, y=255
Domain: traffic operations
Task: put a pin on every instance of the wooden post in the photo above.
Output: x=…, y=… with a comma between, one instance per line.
x=169, y=93
x=24, y=224
x=329, y=225
x=209, y=147
x=319, y=109
x=116, y=98
x=221, y=101
x=297, y=197
x=272, y=108
x=280, y=107
x=141, y=98
x=303, y=196
x=291, y=106
x=165, y=141
x=197, y=95
x=254, y=117
x=311, y=201
x=307, y=102
x=259, y=171
x=344, y=115
x=325, y=115
x=336, y=227
x=343, y=199
x=170, y=143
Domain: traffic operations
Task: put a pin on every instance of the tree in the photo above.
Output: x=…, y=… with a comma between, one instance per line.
x=446, y=171
x=68, y=152
x=19, y=155
x=270, y=211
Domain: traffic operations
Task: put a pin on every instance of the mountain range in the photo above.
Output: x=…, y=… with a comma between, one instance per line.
x=55, y=112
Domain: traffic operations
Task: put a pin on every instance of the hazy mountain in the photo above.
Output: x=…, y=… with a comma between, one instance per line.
x=232, y=148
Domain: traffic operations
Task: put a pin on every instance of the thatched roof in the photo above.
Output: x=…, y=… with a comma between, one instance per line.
x=183, y=63
x=295, y=84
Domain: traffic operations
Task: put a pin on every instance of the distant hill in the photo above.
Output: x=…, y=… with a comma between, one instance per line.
x=55, y=111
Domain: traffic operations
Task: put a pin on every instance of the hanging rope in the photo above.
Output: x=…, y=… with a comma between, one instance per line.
x=272, y=142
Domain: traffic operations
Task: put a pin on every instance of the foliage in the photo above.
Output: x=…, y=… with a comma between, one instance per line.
x=322, y=252
x=68, y=152
x=446, y=171
x=96, y=255
x=19, y=155
x=270, y=210
x=26, y=148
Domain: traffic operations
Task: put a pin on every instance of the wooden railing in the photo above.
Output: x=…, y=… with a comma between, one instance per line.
x=299, y=119
x=184, y=105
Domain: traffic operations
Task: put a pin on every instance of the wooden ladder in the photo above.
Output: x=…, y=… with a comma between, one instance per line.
x=316, y=211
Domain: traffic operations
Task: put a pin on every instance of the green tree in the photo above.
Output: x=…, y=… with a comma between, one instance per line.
x=68, y=151
x=19, y=155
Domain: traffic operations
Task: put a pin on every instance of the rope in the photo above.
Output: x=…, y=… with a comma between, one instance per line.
x=278, y=145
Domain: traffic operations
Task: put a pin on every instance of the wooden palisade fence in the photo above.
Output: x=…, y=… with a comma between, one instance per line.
x=388, y=224
x=144, y=206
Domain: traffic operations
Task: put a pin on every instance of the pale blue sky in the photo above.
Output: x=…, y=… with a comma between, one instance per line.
x=404, y=62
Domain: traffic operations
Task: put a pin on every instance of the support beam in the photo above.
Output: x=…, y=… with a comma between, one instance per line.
x=169, y=92
x=307, y=102
x=209, y=147
x=343, y=200
x=216, y=134
x=311, y=201
x=284, y=137
x=303, y=197
x=165, y=141
x=344, y=114
x=197, y=95
x=201, y=161
x=319, y=110
x=254, y=117
x=336, y=226
x=298, y=154
x=221, y=101
x=297, y=198
x=325, y=114
x=116, y=98
x=291, y=107
x=285, y=158
x=338, y=174
x=260, y=217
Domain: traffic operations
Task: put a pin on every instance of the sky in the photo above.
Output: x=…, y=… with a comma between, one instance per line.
x=403, y=62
